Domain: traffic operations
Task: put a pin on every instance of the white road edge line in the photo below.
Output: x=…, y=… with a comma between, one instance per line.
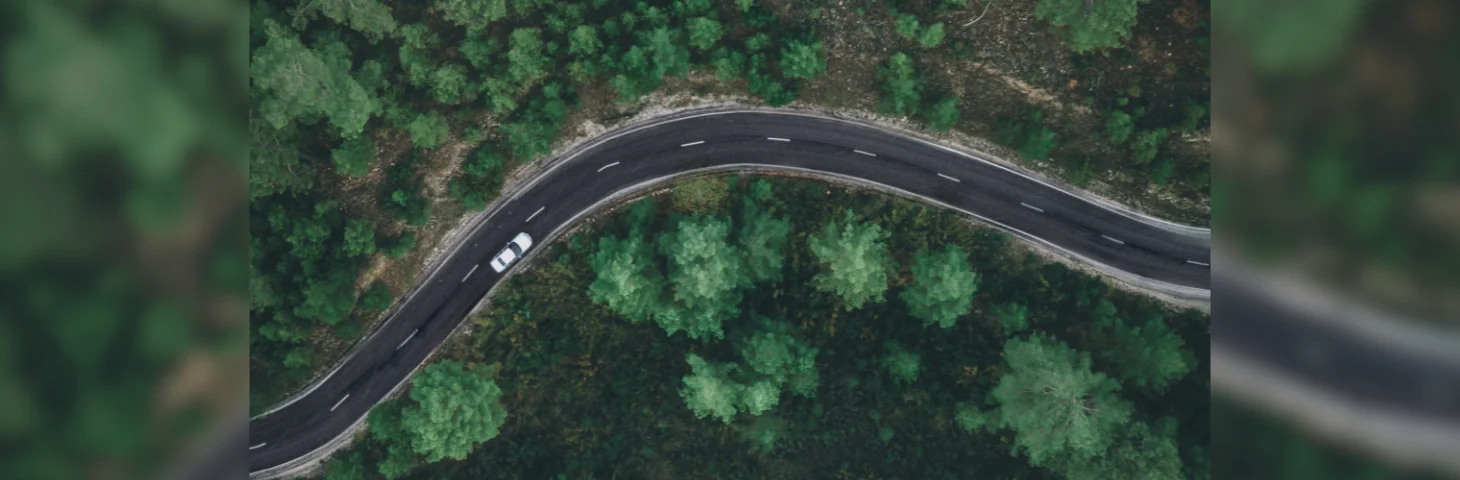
x=870, y=154
x=1032, y=207
x=950, y=178
x=256, y=447
x=342, y=400
x=468, y=274
x=778, y=139
x=600, y=169
x=1194, y=262
x=534, y=214
x=1113, y=239
x=691, y=144
x=408, y=339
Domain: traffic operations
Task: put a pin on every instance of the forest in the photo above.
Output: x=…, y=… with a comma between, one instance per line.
x=770, y=327
x=356, y=108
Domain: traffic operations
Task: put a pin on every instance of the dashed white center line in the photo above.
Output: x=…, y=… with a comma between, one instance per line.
x=606, y=166
x=468, y=274
x=256, y=447
x=870, y=154
x=691, y=144
x=337, y=404
x=1194, y=262
x=1032, y=207
x=950, y=178
x=777, y=139
x=1113, y=239
x=534, y=214
x=408, y=339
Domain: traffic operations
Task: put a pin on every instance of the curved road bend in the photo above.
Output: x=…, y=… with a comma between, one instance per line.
x=1142, y=248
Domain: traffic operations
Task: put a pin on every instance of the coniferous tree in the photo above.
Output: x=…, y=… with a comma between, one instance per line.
x=855, y=261
x=942, y=287
x=1055, y=404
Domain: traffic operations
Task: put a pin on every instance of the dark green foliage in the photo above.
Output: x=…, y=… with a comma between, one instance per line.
x=453, y=411
x=1034, y=139
x=942, y=287
x=704, y=33
x=764, y=238
x=428, y=130
x=901, y=89
x=370, y=17
x=628, y=282
x=402, y=245
x=802, y=60
x=855, y=262
x=355, y=157
x=304, y=84
x=1058, y=407
x=473, y=14
x=944, y=114
x=1147, y=144
x=1088, y=25
x=906, y=26
x=931, y=36
x=709, y=391
x=902, y=364
x=1119, y=126
x=377, y=298
x=706, y=272
x=1013, y=317
x=1149, y=355
x=359, y=238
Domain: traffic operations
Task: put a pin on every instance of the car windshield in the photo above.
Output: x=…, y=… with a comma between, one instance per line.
x=515, y=250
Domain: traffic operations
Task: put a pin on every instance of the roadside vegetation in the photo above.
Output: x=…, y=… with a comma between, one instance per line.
x=375, y=127
x=790, y=329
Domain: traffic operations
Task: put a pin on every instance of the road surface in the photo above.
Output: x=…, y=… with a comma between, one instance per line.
x=1162, y=255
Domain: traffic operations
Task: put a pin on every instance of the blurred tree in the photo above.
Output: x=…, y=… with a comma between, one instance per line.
x=901, y=89
x=526, y=62
x=761, y=396
x=1090, y=25
x=709, y=391
x=855, y=262
x=943, y=286
x=782, y=359
x=906, y=25
x=627, y=280
x=387, y=430
x=298, y=83
x=455, y=410
x=1055, y=404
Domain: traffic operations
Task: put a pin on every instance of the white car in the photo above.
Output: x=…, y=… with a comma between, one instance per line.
x=514, y=250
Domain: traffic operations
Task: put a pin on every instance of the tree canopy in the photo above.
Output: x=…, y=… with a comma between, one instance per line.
x=855, y=261
x=1057, y=406
x=454, y=410
x=943, y=286
x=1090, y=25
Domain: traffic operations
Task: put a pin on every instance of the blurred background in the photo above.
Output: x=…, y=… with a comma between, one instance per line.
x=1336, y=212
x=1336, y=206
x=123, y=236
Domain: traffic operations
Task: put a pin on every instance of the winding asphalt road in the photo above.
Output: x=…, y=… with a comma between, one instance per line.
x=1163, y=256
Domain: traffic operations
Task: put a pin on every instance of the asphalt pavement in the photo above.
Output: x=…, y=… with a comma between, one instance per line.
x=1094, y=233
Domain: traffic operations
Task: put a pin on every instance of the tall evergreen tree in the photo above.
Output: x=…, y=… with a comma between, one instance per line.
x=943, y=286
x=1055, y=404
x=855, y=262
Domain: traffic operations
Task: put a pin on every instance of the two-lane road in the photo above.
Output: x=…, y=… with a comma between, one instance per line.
x=1122, y=243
